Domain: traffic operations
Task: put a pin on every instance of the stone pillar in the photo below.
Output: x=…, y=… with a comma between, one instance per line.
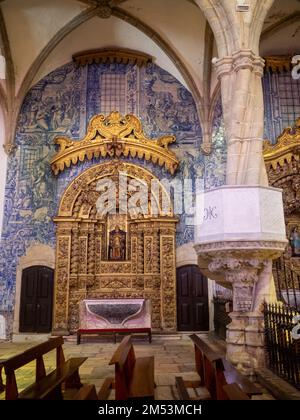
x=245, y=333
x=243, y=109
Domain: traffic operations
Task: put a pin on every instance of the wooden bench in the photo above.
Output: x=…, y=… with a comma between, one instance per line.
x=47, y=386
x=207, y=362
x=215, y=372
x=134, y=377
x=234, y=392
x=86, y=392
x=228, y=375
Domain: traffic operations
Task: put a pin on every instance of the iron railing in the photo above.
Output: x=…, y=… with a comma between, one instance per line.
x=282, y=350
x=287, y=281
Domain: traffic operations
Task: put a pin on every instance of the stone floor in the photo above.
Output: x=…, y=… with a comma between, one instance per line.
x=174, y=356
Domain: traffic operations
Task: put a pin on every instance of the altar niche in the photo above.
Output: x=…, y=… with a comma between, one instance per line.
x=105, y=255
x=117, y=234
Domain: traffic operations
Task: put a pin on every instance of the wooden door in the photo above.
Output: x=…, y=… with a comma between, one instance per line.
x=192, y=299
x=36, y=299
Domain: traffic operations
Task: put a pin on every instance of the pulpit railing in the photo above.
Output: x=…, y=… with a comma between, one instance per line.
x=282, y=347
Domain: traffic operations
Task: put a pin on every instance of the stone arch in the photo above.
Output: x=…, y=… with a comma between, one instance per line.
x=75, y=195
x=233, y=33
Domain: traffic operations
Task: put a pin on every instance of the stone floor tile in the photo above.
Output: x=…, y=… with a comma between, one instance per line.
x=164, y=393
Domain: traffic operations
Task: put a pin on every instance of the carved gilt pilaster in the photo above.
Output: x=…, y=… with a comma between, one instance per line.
x=61, y=304
x=168, y=278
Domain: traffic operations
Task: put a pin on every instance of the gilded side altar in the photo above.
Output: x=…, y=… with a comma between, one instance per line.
x=92, y=264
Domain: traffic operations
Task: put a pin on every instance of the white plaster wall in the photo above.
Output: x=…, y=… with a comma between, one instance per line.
x=31, y=24
x=3, y=166
x=100, y=33
x=181, y=24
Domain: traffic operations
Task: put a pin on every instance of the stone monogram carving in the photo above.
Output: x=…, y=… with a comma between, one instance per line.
x=84, y=270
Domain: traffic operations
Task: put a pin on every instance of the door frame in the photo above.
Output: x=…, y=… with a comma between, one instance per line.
x=186, y=255
x=190, y=267
x=51, y=298
x=39, y=254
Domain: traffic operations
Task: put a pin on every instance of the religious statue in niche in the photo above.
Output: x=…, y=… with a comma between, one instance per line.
x=117, y=245
x=295, y=242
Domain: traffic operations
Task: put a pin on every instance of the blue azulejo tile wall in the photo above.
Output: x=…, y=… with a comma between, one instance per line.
x=62, y=103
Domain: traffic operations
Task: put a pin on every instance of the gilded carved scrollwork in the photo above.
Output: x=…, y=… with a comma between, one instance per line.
x=283, y=167
x=168, y=279
x=62, y=283
x=112, y=136
x=282, y=163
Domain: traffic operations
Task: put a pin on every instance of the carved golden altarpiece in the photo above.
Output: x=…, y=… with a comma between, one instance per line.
x=83, y=267
x=283, y=169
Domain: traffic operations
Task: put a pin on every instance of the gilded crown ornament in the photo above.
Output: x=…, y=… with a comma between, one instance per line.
x=114, y=136
x=285, y=149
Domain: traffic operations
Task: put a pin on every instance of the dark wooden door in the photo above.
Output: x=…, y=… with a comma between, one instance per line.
x=36, y=299
x=192, y=299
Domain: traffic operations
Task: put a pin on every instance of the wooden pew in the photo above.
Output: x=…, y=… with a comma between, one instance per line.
x=228, y=374
x=207, y=362
x=50, y=386
x=87, y=393
x=134, y=377
x=234, y=392
x=215, y=372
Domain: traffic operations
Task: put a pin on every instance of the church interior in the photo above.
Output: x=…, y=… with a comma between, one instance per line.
x=150, y=199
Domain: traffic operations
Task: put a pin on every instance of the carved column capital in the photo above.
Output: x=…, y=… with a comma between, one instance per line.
x=223, y=66
x=242, y=59
x=243, y=275
x=245, y=59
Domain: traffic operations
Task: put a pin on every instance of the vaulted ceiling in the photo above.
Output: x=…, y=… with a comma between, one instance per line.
x=281, y=32
x=43, y=34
